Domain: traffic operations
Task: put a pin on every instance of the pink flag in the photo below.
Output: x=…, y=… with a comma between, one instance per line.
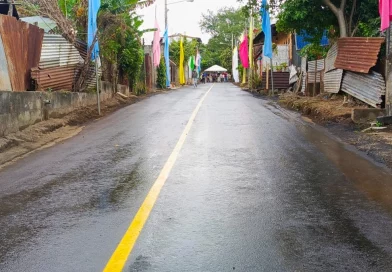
x=385, y=9
x=156, y=46
x=244, y=53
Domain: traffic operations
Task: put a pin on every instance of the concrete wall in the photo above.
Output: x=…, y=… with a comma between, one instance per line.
x=19, y=110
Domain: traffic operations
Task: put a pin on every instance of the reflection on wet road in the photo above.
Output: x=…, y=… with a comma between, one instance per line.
x=253, y=189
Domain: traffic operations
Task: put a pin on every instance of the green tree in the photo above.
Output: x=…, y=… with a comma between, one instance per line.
x=342, y=17
x=224, y=26
x=347, y=17
x=161, y=71
x=190, y=49
x=120, y=40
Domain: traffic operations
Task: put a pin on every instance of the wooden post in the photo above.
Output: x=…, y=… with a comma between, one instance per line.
x=267, y=74
x=272, y=77
x=10, y=8
x=388, y=73
x=315, y=79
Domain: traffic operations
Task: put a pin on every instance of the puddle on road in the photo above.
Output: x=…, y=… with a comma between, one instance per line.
x=372, y=179
x=90, y=188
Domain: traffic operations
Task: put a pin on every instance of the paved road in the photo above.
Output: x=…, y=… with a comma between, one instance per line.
x=253, y=188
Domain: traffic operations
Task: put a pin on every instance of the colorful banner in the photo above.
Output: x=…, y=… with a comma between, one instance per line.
x=156, y=46
x=93, y=8
x=167, y=59
x=251, y=43
x=244, y=54
x=266, y=28
x=182, y=74
x=236, y=76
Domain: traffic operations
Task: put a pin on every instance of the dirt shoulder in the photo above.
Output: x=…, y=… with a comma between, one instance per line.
x=336, y=117
x=52, y=131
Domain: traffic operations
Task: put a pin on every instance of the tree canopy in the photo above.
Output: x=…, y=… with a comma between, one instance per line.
x=341, y=17
x=224, y=25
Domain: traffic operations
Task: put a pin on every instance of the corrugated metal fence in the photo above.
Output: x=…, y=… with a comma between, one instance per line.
x=332, y=77
x=347, y=68
x=20, y=47
x=60, y=64
x=366, y=87
x=358, y=54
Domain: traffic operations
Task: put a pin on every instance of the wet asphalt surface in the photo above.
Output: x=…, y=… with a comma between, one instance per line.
x=254, y=189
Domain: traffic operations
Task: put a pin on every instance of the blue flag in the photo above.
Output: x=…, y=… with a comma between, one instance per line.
x=167, y=59
x=93, y=7
x=266, y=28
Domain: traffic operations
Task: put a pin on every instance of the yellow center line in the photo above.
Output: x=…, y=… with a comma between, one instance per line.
x=124, y=248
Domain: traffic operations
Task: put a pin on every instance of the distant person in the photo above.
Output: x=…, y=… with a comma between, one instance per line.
x=194, y=77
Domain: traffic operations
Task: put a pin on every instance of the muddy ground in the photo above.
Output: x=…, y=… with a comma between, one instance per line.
x=52, y=131
x=334, y=115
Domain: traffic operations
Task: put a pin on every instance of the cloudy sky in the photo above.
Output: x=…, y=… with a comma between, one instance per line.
x=183, y=17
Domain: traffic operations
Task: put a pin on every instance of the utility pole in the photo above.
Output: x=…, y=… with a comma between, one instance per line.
x=165, y=14
x=11, y=8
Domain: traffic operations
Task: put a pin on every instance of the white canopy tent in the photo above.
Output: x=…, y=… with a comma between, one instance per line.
x=216, y=68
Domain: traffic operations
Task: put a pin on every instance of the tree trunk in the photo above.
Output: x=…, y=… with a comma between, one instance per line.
x=342, y=24
x=339, y=13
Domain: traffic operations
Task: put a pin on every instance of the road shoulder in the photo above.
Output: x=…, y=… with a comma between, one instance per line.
x=50, y=132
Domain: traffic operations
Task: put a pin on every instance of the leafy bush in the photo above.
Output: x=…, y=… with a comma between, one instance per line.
x=140, y=88
x=161, y=71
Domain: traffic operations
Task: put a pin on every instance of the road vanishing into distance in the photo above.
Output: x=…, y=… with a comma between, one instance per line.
x=205, y=179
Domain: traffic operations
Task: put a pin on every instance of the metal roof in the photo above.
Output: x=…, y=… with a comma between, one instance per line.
x=45, y=23
x=358, y=54
x=58, y=65
x=366, y=87
x=57, y=51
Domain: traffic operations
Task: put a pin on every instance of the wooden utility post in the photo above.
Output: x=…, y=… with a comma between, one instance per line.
x=388, y=74
x=11, y=8
x=315, y=79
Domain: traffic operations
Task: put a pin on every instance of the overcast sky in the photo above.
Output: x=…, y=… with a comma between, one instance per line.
x=183, y=17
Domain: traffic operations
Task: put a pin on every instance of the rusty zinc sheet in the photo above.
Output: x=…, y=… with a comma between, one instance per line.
x=358, y=54
x=54, y=78
x=58, y=66
x=366, y=87
x=333, y=81
x=331, y=58
x=22, y=44
x=81, y=46
x=281, y=80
